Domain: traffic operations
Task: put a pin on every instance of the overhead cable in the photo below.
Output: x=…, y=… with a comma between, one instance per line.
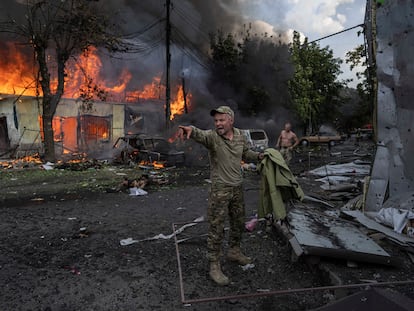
x=336, y=33
x=144, y=29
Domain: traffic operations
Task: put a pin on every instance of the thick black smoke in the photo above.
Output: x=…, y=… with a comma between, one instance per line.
x=143, y=24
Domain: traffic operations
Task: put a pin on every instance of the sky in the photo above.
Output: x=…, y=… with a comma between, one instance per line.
x=314, y=19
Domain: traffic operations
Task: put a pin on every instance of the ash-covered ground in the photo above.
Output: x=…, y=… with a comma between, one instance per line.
x=61, y=230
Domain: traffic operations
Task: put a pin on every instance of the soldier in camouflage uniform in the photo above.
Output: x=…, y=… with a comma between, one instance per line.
x=227, y=147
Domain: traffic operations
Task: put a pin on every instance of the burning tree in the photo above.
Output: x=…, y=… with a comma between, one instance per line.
x=60, y=30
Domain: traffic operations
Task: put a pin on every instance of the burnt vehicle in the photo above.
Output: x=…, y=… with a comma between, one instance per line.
x=138, y=148
x=257, y=139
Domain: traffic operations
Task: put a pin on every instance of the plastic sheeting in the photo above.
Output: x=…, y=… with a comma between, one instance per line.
x=395, y=218
x=343, y=170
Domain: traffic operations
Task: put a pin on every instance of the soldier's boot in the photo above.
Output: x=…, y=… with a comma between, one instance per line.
x=235, y=254
x=217, y=275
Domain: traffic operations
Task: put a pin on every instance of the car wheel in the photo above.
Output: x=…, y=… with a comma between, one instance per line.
x=124, y=157
x=304, y=143
x=332, y=143
x=141, y=158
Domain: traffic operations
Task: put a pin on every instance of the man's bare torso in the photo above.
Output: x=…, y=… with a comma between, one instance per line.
x=287, y=139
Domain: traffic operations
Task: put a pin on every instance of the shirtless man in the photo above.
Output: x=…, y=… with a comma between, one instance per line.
x=286, y=142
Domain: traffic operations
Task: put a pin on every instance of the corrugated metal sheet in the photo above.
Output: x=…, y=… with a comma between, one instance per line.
x=393, y=171
x=320, y=235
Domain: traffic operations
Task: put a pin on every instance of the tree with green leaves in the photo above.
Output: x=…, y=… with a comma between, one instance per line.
x=59, y=30
x=365, y=87
x=314, y=88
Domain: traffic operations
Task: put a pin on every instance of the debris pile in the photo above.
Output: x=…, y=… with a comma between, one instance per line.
x=28, y=161
x=145, y=177
x=77, y=162
x=80, y=163
x=342, y=181
x=332, y=222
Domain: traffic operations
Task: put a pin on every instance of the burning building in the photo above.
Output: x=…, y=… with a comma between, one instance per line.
x=131, y=88
x=75, y=130
x=79, y=125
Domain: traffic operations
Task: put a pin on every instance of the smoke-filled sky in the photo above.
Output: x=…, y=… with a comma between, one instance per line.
x=314, y=19
x=193, y=20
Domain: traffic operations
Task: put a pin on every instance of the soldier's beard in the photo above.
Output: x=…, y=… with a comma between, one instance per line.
x=223, y=131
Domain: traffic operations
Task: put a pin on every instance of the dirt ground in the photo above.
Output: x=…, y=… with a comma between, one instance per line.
x=61, y=230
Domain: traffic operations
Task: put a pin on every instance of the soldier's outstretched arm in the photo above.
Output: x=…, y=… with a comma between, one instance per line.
x=184, y=132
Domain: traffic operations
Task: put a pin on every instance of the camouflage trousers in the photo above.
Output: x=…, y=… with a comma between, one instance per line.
x=286, y=153
x=224, y=200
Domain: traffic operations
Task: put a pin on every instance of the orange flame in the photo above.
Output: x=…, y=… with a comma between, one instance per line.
x=157, y=165
x=152, y=90
x=17, y=76
x=88, y=68
x=24, y=161
x=177, y=105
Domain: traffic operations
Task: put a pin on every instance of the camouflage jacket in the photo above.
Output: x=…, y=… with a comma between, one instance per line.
x=225, y=155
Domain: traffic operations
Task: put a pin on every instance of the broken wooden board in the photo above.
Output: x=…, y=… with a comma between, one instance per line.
x=318, y=235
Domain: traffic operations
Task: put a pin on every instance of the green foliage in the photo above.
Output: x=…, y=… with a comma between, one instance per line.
x=314, y=88
x=358, y=58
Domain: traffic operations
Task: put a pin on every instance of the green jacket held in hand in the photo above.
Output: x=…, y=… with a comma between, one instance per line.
x=277, y=186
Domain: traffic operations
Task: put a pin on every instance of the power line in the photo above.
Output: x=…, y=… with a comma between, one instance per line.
x=137, y=48
x=144, y=48
x=336, y=33
x=183, y=40
x=144, y=29
x=188, y=19
x=193, y=57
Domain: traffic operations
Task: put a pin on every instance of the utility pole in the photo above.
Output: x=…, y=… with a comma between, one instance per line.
x=168, y=62
x=184, y=94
